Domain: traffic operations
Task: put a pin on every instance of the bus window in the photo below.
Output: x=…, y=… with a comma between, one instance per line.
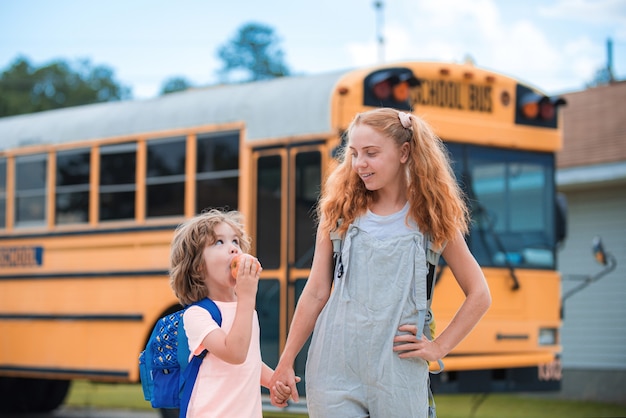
x=117, y=181
x=217, y=175
x=512, y=209
x=30, y=190
x=308, y=178
x=72, y=187
x=269, y=196
x=165, y=177
x=268, y=309
x=3, y=192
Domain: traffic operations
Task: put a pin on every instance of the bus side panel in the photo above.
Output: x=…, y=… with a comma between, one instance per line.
x=77, y=314
x=512, y=323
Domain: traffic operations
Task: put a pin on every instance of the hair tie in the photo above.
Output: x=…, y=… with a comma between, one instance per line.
x=405, y=120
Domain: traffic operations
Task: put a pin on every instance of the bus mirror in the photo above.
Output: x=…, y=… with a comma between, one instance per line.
x=598, y=251
x=604, y=258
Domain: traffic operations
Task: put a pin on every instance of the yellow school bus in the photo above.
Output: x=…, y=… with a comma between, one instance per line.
x=90, y=197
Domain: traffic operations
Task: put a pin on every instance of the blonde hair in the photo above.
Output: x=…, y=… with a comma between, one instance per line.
x=187, y=266
x=436, y=201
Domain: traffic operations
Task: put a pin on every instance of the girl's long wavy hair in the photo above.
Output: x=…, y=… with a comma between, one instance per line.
x=187, y=266
x=436, y=201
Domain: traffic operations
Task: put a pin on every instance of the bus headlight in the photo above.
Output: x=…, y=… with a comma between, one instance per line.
x=548, y=336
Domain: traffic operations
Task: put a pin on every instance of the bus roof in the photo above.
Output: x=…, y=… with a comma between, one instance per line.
x=276, y=108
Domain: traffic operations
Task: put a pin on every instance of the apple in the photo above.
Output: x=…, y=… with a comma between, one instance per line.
x=234, y=265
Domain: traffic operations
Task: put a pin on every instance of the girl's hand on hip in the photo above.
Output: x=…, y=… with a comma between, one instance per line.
x=408, y=345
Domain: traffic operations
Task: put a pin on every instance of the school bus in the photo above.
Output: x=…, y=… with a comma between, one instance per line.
x=90, y=197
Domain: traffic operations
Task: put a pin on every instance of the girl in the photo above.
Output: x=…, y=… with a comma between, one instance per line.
x=393, y=188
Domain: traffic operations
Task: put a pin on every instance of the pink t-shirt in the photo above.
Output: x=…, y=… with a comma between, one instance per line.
x=223, y=389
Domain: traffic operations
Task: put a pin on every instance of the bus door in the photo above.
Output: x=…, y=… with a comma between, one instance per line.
x=286, y=191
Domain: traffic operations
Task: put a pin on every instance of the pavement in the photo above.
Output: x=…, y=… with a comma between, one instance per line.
x=88, y=412
x=74, y=412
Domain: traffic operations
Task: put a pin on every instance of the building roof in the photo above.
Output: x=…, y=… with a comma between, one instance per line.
x=594, y=126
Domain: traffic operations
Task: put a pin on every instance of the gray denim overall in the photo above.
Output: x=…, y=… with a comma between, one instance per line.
x=351, y=369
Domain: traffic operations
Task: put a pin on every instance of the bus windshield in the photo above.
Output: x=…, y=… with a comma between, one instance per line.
x=513, y=214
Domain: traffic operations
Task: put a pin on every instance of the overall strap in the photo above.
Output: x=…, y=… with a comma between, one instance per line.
x=191, y=371
x=337, y=243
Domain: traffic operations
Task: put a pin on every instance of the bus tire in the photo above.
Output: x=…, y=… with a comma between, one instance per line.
x=22, y=395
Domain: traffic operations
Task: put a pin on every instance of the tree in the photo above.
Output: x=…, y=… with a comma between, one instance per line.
x=26, y=89
x=174, y=84
x=603, y=77
x=253, y=54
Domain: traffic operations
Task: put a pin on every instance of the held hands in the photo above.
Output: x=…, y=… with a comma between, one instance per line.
x=283, y=386
x=280, y=393
x=407, y=345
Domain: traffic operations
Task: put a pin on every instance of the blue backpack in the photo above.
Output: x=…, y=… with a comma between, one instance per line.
x=167, y=375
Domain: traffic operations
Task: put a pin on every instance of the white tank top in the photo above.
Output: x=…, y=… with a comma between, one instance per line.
x=382, y=227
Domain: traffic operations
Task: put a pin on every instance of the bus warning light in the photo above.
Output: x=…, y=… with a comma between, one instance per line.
x=536, y=109
x=390, y=87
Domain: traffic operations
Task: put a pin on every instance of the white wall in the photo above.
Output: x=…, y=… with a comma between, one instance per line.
x=594, y=327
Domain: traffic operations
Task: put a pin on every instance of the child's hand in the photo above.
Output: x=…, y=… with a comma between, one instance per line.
x=248, y=274
x=282, y=393
x=234, y=264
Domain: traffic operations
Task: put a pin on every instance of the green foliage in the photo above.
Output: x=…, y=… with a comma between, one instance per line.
x=253, y=54
x=27, y=89
x=175, y=84
x=603, y=77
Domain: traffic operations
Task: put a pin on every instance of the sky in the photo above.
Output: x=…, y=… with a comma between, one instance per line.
x=555, y=45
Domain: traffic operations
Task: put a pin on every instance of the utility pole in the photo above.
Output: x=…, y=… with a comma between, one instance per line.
x=609, y=60
x=378, y=5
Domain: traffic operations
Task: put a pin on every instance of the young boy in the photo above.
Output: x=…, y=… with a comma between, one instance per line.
x=202, y=251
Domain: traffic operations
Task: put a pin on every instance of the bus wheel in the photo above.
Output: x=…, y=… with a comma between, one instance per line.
x=169, y=413
x=21, y=395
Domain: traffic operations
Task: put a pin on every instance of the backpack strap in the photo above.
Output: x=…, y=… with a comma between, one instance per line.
x=210, y=306
x=191, y=371
x=432, y=260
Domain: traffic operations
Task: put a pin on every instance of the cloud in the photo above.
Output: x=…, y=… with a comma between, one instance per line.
x=589, y=11
x=527, y=42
